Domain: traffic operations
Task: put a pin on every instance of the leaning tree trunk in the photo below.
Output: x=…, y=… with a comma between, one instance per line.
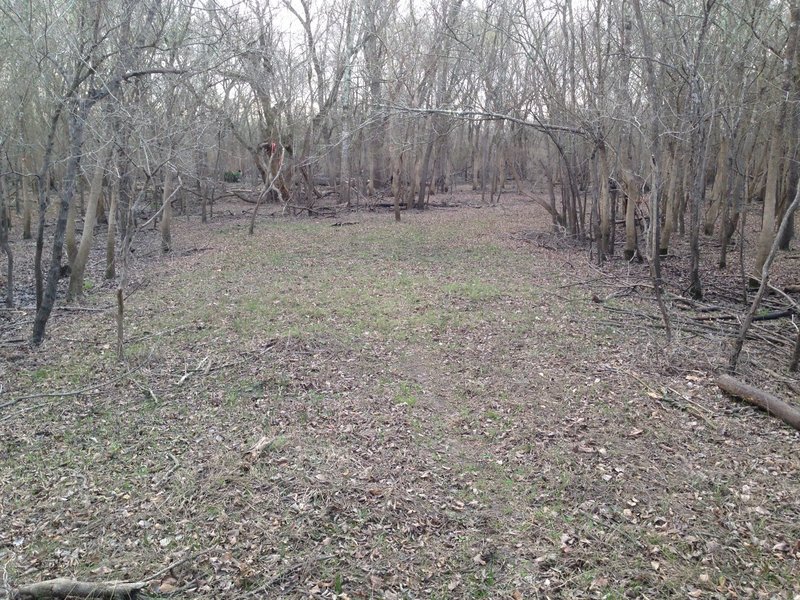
x=76, y=128
x=82, y=254
x=43, y=186
x=763, y=285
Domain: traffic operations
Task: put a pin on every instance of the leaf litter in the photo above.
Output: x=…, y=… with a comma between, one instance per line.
x=430, y=409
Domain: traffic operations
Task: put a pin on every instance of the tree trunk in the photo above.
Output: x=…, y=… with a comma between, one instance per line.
x=56, y=589
x=43, y=187
x=76, y=278
x=27, y=208
x=776, y=142
x=76, y=127
x=424, y=165
x=604, y=199
x=671, y=202
x=166, y=210
x=5, y=246
x=112, y=232
x=71, y=244
x=719, y=191
x=476, y=154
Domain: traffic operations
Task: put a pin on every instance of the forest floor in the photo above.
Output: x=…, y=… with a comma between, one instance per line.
x=437, y=408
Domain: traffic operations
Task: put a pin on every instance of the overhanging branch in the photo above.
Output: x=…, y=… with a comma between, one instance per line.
x=483, y=115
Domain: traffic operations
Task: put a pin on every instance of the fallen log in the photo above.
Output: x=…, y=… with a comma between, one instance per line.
x=769, y=316
x=772, y=404
x=59, y=589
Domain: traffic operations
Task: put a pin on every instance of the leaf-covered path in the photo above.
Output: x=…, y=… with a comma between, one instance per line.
x=444, y=413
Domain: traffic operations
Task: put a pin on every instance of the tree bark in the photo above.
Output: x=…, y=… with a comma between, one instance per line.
x=70, y=243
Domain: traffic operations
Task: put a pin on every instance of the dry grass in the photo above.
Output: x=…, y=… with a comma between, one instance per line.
x=449, y=416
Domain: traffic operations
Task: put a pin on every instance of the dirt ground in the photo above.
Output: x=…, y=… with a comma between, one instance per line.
x=461, y=405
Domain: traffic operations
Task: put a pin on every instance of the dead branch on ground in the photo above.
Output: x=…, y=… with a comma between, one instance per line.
x=63, y=588
x=753, y=395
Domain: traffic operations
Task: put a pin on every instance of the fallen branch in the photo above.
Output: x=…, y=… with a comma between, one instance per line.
x=772, y=404
x=203, y=364
x=69, y=588
x=63, y=588
x=770, y=316
x=175, y=465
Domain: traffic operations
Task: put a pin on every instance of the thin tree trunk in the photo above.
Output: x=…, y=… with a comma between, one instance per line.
x=76, y=127
x=719, y=191
x=672, y=203
x=655, y=135
x=632, y=194
x=71, y=244
x=699, y=151
x=604, y=200
x=43, y=187
x=5, y=246
x=76, y=278
x=112, y=233
x=27, y=207
x=166, y=210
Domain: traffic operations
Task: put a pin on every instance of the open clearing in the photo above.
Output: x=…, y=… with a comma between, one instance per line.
x=444, y=413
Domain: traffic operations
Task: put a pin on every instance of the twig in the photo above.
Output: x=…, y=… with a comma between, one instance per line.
x=177, y=563
x=203, y=361
x=690, y=406
x=23, y=309
x=144, y=388
x=285, y=573
x=172, y=469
